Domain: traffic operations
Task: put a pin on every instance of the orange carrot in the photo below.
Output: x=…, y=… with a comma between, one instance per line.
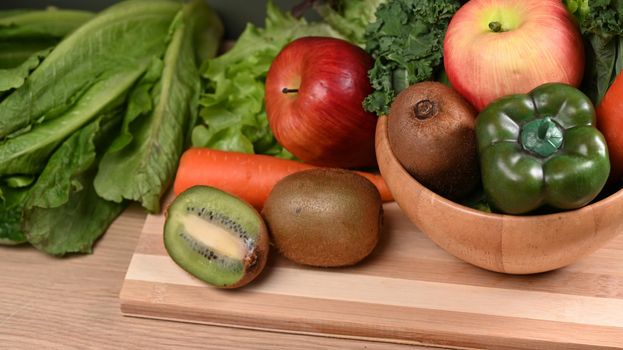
x=248, y=176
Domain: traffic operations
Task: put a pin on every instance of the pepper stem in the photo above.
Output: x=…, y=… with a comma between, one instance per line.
x=542, y=137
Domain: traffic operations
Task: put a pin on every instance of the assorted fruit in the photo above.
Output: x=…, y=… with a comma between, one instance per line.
x=485, y=106
x=501, y=104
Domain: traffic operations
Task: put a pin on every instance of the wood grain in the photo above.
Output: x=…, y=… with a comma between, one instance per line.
x=72, y=303
x=408, y=291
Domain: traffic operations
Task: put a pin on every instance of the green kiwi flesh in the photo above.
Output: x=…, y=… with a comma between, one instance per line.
x=324, y=217
x=216, y=237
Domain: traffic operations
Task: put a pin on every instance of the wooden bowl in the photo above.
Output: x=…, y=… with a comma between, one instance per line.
x=497, y=242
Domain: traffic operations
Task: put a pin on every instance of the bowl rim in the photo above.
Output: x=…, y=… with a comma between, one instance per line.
x=458, y=206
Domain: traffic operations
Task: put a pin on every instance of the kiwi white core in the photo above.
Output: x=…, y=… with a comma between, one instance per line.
x=215, y=237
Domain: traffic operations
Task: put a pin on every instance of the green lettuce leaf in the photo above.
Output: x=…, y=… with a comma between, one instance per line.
x=139, y=103
x=19, y=181
x=604, y=54
x=87, y=74
x=62, y=212
x=23, y=33
x=74, y=157
x=73, y=227
x=11, y=203
x=28, y=152
x=120, y=40
x=406, y=42
x=349, y=17
x=233, y=117
x=13, y=12
x=49, y=23
x=157, y=140
x=14, y=53
x=13, y=78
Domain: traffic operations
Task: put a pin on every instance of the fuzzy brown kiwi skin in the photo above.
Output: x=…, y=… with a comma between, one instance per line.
x=255, y=261
x=431, y=132
x=311, y=214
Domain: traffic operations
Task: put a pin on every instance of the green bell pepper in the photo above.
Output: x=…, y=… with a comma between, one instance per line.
x=541, y=148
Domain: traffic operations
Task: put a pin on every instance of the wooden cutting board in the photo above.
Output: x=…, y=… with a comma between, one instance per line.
x=408, y=291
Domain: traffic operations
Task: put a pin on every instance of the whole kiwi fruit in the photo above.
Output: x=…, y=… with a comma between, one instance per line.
x=431, y=132
x=324, y=217
x=216, y=237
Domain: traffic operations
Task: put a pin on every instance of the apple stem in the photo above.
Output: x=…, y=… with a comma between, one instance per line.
x=425, y=109
x=495, y=27
x=287, y=91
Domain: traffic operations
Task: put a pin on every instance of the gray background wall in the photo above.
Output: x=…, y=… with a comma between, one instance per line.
x=235, y=13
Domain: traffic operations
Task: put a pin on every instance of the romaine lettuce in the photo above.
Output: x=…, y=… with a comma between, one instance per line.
x=159, y=114
x=62, y=213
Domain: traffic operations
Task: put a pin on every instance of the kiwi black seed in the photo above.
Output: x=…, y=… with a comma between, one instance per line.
x=216, y=237
x=431, y=132
x=324, y=217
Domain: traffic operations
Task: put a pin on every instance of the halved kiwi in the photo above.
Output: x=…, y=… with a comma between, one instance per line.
x=216, y=237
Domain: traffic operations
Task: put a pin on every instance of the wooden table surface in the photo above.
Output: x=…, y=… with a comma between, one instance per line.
x=72, y=303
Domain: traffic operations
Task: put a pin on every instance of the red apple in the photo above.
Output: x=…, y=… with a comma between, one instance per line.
x=495, y=48
x=314, y=93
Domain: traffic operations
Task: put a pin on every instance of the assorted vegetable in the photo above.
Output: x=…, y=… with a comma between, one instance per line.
x=526, y=150
x=96, y=110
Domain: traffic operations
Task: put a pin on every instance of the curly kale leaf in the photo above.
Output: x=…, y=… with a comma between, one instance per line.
x=597, y=16
x=406, y=42
x=601, y=23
